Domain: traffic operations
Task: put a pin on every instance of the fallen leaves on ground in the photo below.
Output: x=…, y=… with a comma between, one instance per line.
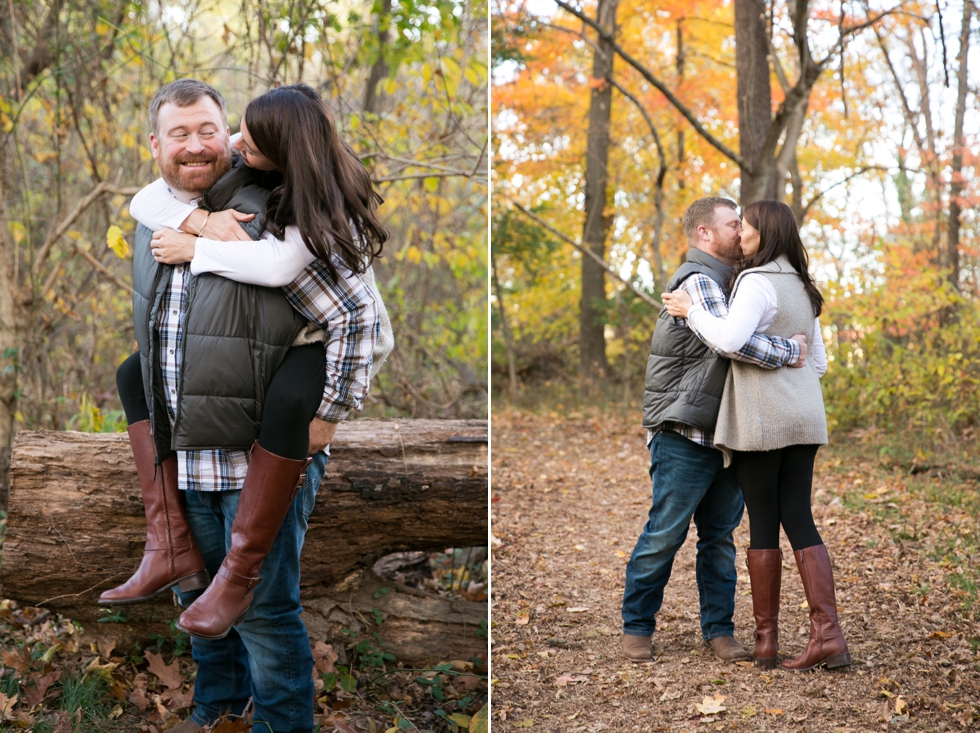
x=904, y=561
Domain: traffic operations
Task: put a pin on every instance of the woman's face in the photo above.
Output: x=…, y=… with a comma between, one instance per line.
x=253, y=158
x=750, y=238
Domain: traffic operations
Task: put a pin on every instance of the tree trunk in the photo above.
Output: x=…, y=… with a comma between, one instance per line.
x=505, y=327
x=380, y=68
x=754, y=98
x=957, y=184
x=76, y=527
x=592, y=340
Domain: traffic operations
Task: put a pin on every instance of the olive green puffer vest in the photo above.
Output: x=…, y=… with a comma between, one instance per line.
x=685, y=379
x=234, y=338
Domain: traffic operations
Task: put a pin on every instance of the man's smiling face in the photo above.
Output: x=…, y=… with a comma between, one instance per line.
x=191, y=146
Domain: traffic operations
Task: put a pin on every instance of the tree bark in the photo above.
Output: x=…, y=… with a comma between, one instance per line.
x=592, y=339
x=76, y=527
x=754, y=98
x=505, y=328
x=379, y=70
x=957, y=183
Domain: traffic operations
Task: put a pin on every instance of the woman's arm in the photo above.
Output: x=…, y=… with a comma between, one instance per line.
x=755, y=295
x=269, y=262
x=818, y=349
x=156, y=208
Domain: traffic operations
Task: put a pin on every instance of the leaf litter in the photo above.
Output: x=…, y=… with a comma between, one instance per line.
x=903, y=587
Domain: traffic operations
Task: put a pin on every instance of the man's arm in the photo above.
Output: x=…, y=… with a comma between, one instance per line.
x=346, y=308
x=768, y=352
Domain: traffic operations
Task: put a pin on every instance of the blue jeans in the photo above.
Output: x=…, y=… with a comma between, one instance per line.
x=267, y=657
x=688, y=481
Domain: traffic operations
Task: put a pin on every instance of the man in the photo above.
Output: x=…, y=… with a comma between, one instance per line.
x=684, y=383
x=265, y=657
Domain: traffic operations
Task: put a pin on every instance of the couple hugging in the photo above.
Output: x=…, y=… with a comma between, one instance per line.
x=735, y=415
x=259, y=328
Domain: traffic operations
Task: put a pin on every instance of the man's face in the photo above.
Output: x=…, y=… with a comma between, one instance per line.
x=721, y=239
x=192, y=148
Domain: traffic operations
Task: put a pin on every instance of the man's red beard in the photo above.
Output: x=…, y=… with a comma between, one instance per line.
x=195, y=180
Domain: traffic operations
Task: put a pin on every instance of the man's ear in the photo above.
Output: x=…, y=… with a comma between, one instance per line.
x=154, y=146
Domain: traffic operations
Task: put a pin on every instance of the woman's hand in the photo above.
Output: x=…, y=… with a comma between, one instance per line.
x=677, y=303
x=224, y=226
x=171, y=247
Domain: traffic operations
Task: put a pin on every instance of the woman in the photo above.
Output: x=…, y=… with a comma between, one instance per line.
x=771, y=423
x=322, y=233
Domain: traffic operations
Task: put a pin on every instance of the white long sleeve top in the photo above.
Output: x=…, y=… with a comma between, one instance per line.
x=269, y=262
x=753, y=309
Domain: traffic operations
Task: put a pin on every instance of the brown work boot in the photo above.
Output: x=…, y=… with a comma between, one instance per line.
x=170, y=556
x=765, y=574
x=270, y=485
x=638, y=649
x=728, y=650
x=827, y=645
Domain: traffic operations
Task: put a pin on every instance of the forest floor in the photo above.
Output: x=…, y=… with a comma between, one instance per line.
x=570, y=496
x=56, y=677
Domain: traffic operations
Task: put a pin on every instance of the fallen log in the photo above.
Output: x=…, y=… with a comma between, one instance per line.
x=75, y=527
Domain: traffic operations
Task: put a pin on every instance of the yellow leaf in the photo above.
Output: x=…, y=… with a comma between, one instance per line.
x=461, y=721
x=117, y=243
x=711, y=705
x=480, y=722
x=900, y=706
x=431, y=184
x=621, y=553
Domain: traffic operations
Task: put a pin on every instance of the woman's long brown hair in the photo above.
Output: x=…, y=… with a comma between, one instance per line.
x=778, y=236
x=326, y=190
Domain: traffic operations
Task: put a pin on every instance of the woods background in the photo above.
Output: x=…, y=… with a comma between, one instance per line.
x=610, y=118
x=407, y=82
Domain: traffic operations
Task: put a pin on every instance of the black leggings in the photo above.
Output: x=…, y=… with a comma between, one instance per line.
x=776, y=485
x=291, y=401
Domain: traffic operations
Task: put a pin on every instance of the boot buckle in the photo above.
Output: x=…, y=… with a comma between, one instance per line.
x=252, y=582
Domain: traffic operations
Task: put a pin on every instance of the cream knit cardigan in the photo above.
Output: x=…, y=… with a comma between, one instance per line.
x=766, y=409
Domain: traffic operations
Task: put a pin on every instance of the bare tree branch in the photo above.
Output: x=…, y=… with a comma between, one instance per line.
x=648, y=75
x=589, y=253
x=83, y=203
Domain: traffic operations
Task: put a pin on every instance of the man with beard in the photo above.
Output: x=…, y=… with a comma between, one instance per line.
x=208, y=348
x=684, y=383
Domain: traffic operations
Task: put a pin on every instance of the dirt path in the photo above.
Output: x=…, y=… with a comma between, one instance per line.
x=569, y=499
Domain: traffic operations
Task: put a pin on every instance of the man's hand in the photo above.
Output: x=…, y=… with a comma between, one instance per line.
x=802, y=339
x=321, y=434
x=171, y=247
x=221, y=225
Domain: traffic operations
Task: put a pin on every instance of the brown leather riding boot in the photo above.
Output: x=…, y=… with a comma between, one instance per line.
x=170, y=556
x=827, y=645
x=268, y=491
x=765, y=573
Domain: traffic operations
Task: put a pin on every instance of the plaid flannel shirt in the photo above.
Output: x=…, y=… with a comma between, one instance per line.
x=767, y=352
x=197, y=470
x=347, y=310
